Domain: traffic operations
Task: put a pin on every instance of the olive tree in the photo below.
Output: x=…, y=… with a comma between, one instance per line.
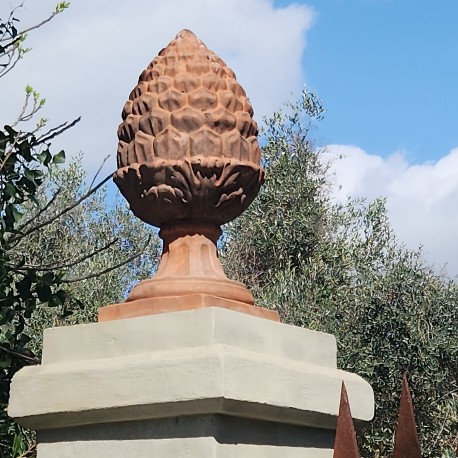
x=339, y=268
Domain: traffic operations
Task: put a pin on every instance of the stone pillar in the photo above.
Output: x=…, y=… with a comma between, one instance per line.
x=203, y=383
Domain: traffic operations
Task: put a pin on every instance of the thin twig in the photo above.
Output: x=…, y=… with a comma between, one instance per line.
x=33, y=27
x=61, y=213
x=98, y=171
x=22, y=113
x=21, y=355
x=43, y=22
x=55, y=131
x=8, y=69
x=37, y=106
x=7, y=46
x=10, y=20
x=109, y=269
x=22, y=136
x=41, y=211
x=64, y=264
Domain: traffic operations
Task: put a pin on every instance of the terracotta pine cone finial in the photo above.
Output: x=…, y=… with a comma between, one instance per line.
x=188, y=162
x=188, y=148
x=187, y=103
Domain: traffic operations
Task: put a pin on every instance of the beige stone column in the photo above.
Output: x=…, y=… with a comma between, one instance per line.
x=203, y=383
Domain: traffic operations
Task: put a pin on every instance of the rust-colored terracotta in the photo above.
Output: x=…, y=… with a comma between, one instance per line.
x=188, y=147
x=345, y=445
x=153, y=306
x=406, y=444
x=189, y=276
x=188, y=161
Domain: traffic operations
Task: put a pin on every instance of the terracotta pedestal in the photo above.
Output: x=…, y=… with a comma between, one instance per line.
x=207, y=383
x=189, y=276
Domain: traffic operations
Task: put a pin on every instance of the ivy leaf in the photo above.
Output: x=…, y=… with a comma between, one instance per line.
x=48, y=278
x=59, y=158
x=44, y=293
x=57, y=299
x=44, y=157
x=30, y=176
x=25, y=285
x=10, y=190
x=17, y=215
x=11, y=132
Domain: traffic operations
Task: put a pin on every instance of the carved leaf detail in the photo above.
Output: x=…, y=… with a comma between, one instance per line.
x=200, y=188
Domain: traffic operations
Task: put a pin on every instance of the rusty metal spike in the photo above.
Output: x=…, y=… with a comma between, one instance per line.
x=345, y=445
x=406, y=444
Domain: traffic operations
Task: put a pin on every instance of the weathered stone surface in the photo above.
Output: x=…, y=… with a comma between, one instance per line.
x=235, y=365
x=171, y=144
x=204, y=447
x=187, y=120
x=204, y=142
x=172, y=100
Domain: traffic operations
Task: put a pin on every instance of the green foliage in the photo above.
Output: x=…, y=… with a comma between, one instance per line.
x=96, y=236
x=12, y=40
x=284, y=235
x=25, y=158
x=340, y=269
x=22, y=288
x=64, y=250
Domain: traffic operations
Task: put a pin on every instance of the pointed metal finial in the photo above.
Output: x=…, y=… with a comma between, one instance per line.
x=406, y=444
x=345, y=445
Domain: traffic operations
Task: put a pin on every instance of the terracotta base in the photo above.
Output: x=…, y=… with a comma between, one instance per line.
x=189, y=276
x=156, y=305
x=186, y=286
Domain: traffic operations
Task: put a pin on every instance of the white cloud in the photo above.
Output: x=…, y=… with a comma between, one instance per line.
x=87, y=60
x=422, y=198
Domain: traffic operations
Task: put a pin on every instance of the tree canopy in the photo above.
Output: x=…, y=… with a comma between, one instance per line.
x=339, y=268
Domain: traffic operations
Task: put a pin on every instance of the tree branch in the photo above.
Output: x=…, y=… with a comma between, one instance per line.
x=29, y=29
x=109, y=269
x=98, y=171
x=8, y=66
x=37, y=26
x=6, y=30
x=19, y=237
x=22, y=113
x=55, y=131
x=65, y=264
x=20, y=355
x=41, y=211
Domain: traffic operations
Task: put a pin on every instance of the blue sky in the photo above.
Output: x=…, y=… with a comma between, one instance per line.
x=386, y=71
